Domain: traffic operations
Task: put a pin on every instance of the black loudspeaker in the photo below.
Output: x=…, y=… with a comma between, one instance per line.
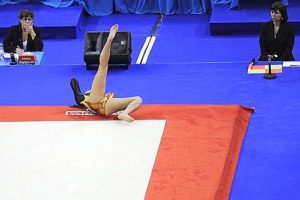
x=120, y=48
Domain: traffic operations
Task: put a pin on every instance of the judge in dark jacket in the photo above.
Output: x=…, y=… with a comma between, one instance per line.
x=277, y=36
x=24, y=36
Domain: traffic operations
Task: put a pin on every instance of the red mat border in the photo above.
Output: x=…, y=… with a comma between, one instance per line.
x=162, y=185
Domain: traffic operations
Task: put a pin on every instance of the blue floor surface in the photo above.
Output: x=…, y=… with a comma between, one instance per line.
x=269, y=160
x=189, y=66
x=186, y=39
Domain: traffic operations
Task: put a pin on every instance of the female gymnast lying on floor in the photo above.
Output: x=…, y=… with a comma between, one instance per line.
x=97, y=100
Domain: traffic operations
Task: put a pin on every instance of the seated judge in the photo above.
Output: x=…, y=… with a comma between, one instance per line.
x=24, y=36
x=277, y=36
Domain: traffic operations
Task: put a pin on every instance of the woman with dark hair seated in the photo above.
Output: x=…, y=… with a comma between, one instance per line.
x=24, y=36
x=277, y=36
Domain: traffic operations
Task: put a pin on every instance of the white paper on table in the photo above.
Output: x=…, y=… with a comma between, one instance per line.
x=6, y=55
x=291, y=64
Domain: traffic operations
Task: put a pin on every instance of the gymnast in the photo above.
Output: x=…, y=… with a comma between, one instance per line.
x=96, y=100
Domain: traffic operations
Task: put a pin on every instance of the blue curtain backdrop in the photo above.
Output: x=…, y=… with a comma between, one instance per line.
x=167, y=7
x=235, y=3
x=4, y=2
x=163, y=6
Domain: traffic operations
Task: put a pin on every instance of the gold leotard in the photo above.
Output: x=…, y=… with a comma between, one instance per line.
x=98, y=107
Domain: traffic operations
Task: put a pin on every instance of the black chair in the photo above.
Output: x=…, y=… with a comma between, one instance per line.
x=120, y=49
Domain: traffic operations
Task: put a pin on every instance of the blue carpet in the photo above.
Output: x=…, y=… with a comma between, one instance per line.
x=189, y=66
x=186, y=39
x=269, y=160
x=208, y=83
x=138, y=25
x=70, y=51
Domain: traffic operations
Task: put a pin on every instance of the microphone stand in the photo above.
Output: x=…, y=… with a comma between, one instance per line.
x=269, y=75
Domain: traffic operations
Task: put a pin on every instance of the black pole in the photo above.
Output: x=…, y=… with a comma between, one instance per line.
x=269, y=75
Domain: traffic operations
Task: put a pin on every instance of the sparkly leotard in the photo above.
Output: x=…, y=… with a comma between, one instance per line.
x=98, y=107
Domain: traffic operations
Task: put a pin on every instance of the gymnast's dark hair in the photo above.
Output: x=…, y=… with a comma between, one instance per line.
x=277, y=5
x=26, y=13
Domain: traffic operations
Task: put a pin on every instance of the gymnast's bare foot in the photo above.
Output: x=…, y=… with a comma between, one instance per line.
x=124, y=116
x=113, y=30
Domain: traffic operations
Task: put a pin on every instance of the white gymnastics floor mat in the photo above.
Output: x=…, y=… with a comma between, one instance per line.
x=78, y=160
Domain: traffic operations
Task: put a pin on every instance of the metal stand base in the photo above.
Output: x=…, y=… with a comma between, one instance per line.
x=270, y=76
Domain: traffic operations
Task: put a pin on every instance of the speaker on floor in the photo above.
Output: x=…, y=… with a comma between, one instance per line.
x=120, y=53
